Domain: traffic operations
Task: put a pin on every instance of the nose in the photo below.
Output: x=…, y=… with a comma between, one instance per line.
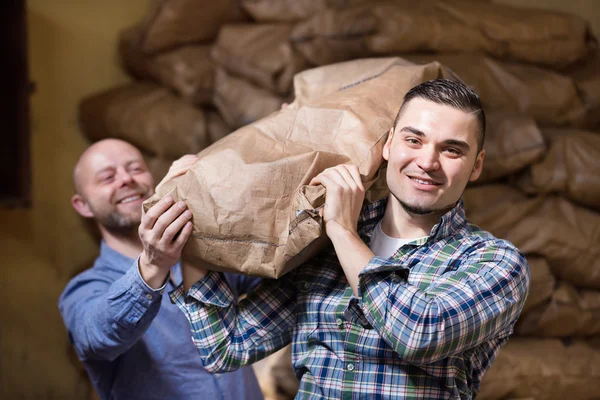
x=124, y=177
x=428, y=160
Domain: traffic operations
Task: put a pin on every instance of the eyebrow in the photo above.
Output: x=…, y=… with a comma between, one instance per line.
x=453, y=142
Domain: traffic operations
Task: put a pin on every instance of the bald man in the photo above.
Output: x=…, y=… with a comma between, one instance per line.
x=132, y=341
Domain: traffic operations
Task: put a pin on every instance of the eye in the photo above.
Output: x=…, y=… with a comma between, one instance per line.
x=106, y=178
x=453, y=151
x=136, y=168
x=412, y=141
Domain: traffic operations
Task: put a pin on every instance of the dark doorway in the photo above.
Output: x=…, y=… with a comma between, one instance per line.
x=15, y=172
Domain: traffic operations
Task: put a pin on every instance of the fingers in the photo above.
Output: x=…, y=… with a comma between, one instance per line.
x=152, y=215
x=175, y=226
x=346, y=176
x=167, y=218
x=184, y=235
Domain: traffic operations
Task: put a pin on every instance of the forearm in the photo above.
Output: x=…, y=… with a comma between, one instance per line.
x=353, y=255
x=230, y=336
x=458, y=311
x=104, y=320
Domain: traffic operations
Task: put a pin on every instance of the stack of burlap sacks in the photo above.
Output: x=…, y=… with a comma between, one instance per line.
x=204, y=69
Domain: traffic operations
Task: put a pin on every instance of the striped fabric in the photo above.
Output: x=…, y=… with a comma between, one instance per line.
x=426, y=324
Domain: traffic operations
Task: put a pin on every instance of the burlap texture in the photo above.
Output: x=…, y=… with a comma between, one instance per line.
x=571, y=168
x=172, y=23
x=157, y=166
x=565, y=234
x=512, y=142
x=240, y=102
x=542, y=283
x=334, y=35
x=259, y=53
x=252, y=212
x=543, y=369
x=551, y=98
x=569, y=312
x=148, y=116
x=586, y=75
x=530, y=35
x=292, y=10
x=276, y=376
x=187, y=70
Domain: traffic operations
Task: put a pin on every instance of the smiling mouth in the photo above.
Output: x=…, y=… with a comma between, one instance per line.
x=424, y=182
x=130, y=199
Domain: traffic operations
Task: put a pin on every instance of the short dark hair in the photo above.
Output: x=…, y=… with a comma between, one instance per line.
x=450, y=93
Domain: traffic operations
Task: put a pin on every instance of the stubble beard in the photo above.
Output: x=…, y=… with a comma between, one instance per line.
x=422, y=210
x=119, y=223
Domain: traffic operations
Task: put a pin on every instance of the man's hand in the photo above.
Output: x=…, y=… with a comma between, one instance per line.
x=344, y=198
x=164, y=230
x=343, y=202
x=179, y=167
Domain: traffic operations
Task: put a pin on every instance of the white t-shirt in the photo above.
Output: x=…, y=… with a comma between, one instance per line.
x=384, y=246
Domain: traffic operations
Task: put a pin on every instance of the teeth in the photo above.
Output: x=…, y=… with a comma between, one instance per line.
x=130, y=199
x=423, y=182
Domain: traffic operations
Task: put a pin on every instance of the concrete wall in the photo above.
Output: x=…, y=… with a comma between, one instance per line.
x=71, y=54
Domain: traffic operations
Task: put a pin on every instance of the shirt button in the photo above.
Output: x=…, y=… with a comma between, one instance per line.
x=149, y=296
x=306, y=285
x=350, y=367
x=162, y=291
x=339, y=322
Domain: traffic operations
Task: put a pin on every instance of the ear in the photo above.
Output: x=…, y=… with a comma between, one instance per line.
x=478, y=167
x=388, y=145
x=81, y=206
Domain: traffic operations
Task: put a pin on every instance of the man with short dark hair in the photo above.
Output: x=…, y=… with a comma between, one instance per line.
x=411, y=301
x=132, y=341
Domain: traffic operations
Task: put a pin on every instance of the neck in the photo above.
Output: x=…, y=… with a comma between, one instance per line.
x=125, y=242
x=400, y=224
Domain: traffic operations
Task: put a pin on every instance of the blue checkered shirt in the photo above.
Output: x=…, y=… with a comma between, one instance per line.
x=426, y=323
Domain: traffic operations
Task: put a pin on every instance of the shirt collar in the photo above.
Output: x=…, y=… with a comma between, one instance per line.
x=448, y=225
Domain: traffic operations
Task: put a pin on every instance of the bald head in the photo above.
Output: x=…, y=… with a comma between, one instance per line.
x=97, y=156
x=111, y=182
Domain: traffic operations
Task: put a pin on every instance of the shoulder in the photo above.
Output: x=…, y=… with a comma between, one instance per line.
x=101, y=274
x=479, y=246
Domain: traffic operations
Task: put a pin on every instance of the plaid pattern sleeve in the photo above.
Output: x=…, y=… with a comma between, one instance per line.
x=230, y=336
x=461, y=309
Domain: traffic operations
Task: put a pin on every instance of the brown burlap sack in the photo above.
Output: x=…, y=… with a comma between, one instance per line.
x=172, y=23
x=240, y=102
x=566, y=235
x=586, y=75
x=335, y=35
x=148, y=116
x=530, y=35
x=571, y=168
x=544, y=369
x=276, y=377
x=260, y=53
x=252, y=212
x=157, y=166
x=569, y=312
x=217, y=128
x=187, y=70
x=550, y=97
x=542, y=283
x=292, y=10
x=512, y=142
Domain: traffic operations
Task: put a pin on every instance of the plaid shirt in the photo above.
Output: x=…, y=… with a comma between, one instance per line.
x=426, y=323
